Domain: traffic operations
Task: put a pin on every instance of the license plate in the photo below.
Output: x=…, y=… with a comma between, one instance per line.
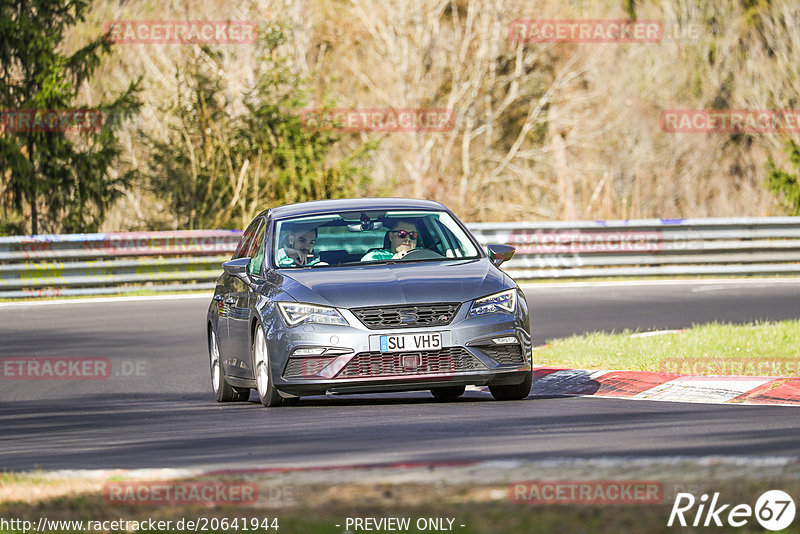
x=411, y=342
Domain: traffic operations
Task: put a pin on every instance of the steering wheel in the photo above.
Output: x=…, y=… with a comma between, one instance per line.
x=422, y=254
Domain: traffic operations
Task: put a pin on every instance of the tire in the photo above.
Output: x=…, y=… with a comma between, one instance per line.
x=223, y=392
x=513, y=392
x=267, y=393
x=448, y=393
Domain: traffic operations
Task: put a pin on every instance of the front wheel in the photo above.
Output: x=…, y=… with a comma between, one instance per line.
x=513, y=392
x=267, y=393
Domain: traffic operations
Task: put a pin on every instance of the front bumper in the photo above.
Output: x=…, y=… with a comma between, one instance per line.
x=353, y=363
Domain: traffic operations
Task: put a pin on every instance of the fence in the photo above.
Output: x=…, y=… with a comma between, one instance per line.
x=652, y=247
x=90, y=264
x=85, y=264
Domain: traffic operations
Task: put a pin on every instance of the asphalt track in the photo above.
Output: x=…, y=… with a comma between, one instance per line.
x=156, y=410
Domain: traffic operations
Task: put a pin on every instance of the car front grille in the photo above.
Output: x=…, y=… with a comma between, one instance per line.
x=444, y=361
x=414, y=316
x=504, y=354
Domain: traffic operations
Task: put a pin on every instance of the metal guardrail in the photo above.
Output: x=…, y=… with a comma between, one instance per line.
x=92, y=264
x=86, y=264
x=649, y=247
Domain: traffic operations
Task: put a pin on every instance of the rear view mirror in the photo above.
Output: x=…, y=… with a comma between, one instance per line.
x=367, y=223
x=365, y=227
x=500, y=253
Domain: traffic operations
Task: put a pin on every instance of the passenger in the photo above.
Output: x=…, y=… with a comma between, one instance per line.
x=298, y=248
x=399, y=241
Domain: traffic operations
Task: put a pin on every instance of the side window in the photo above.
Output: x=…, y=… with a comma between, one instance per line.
x=257, y=252
x=255, y=242
x=447, y=244
x=247, y=240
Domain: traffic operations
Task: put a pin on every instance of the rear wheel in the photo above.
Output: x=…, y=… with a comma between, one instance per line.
x=223, y=392
x=448, y=393
x=513, y=392
x=267, y=393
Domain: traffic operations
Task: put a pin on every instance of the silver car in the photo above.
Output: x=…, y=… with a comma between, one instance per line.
x=364, y=296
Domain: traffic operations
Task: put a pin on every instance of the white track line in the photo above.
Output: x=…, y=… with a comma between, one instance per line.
x=101, y=300
x=526, y=286
x=635, y=283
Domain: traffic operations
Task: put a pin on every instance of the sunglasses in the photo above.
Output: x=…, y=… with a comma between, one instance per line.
x=402, y=234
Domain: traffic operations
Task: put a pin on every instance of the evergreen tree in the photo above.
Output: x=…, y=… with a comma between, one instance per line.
x=58, y=177
x=784, y=184
x=217, y=168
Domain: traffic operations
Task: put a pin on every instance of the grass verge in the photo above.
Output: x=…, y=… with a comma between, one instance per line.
x=757, y=349
x=495, y=514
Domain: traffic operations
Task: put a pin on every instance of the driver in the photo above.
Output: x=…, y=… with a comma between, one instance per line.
x=399, y=241
x=298, y=248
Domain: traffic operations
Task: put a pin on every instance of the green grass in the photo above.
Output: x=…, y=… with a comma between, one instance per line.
x=761, y=349
x=33, y=477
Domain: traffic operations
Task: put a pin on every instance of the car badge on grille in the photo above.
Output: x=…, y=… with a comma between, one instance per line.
x=407, y=316
x=411, y=361
x=443, y=318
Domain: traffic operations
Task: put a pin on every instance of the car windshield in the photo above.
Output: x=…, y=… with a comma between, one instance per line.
x=359, y=238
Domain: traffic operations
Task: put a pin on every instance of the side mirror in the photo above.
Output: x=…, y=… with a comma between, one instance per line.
x=238, y=268
x=500, y=253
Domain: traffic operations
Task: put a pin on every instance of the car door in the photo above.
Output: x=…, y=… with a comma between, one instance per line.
x=242, y=298
x=225, y=295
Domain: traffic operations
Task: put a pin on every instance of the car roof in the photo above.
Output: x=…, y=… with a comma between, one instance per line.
x=318, y=207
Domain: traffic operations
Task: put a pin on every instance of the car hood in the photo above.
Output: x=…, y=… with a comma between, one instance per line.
x=400, y=283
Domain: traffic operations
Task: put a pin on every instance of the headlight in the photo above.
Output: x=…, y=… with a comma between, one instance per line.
x=296, y=314
x=503, y=302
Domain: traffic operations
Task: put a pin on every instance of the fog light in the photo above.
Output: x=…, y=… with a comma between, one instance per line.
x=504, y=340
x=309, y=352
